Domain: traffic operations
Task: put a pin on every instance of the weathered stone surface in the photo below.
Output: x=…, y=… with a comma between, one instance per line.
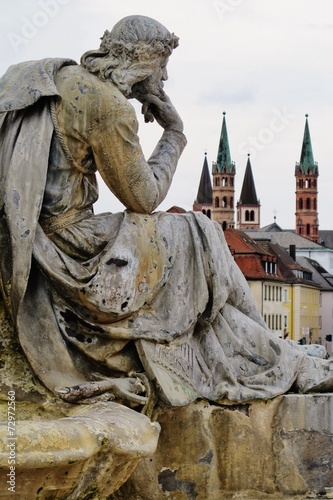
x=282, y=448
x=87, y=455
x=59, y=450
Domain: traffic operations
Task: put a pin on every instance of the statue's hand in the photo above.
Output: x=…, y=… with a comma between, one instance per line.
x=121, y=388
x=163, y=111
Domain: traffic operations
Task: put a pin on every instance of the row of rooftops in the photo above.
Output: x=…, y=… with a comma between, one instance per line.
x=271, y=254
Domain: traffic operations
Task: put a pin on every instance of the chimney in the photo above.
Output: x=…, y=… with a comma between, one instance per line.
x=292, y=251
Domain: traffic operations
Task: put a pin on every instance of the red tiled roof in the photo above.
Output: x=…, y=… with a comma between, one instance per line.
x=250, y=255
x=242, y=243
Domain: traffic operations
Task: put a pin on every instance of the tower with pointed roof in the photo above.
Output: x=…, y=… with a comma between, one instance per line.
x=203, y=201
x=223, y=210
x=306, y=173
x=248, y=206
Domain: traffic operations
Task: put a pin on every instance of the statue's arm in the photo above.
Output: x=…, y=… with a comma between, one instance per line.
x=139, y=184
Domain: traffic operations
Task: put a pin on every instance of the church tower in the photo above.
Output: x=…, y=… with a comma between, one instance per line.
x=224, y=170
x=248, y=206
x=306, y=173
x=203, y=202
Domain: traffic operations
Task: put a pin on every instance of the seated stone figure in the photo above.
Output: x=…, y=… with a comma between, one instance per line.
x=119, y=304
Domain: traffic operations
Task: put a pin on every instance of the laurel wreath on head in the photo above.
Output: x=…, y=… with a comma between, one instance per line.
x=140, y=50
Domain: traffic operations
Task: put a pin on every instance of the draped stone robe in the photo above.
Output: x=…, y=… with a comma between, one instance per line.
x=111, y=293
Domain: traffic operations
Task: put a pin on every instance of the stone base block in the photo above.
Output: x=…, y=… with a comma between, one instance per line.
x=282, y=448
x=88, y=455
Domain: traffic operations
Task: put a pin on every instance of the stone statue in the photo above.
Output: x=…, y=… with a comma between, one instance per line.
x=122, y=305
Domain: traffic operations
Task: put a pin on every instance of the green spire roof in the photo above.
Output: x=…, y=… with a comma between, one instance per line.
x=223, y=162
x=205, y=191
x=307, y=163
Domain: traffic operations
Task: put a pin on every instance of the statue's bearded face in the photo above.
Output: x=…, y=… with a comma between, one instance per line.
x=153, y=82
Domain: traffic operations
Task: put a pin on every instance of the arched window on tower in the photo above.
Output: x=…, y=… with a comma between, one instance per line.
x=217, y=202
x=300, y=183
x=209, y=213
x=231, y=202
x=224, y=202
x=308, y=203
x=224, y=225
x=224, y=181
x=299, y=230
x=300, y=204
x=308, y=229
x=203, y=211
x=217, y=181
x=315, y=203
x=314, y=183
x=247, y=215
x=308, y=183
x=231, y=182
x=252, y=215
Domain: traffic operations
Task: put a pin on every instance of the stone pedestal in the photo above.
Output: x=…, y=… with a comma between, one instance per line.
x=277, y=449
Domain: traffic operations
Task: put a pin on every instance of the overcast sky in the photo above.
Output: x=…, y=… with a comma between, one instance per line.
x=265, y=62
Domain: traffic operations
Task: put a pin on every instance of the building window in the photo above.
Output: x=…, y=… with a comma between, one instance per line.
x=308, y=203
x=315, y=203
x=231, y=202
x=308, y=183
x=300, y=183
x=217, y=181
x=217, y=202
x=308, y=229
x=224, y=181
x=247, y=215
x=224, y=202
x=300, y=204
x=231, y=182
x=208, y=213
x=265, y=292
x=285, y=321
x=252, y=215
x=224, y=225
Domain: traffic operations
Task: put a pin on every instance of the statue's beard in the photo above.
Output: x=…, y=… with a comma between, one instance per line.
x=147, y=86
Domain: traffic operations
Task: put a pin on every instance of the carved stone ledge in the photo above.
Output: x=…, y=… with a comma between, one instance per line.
x=87, y=455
